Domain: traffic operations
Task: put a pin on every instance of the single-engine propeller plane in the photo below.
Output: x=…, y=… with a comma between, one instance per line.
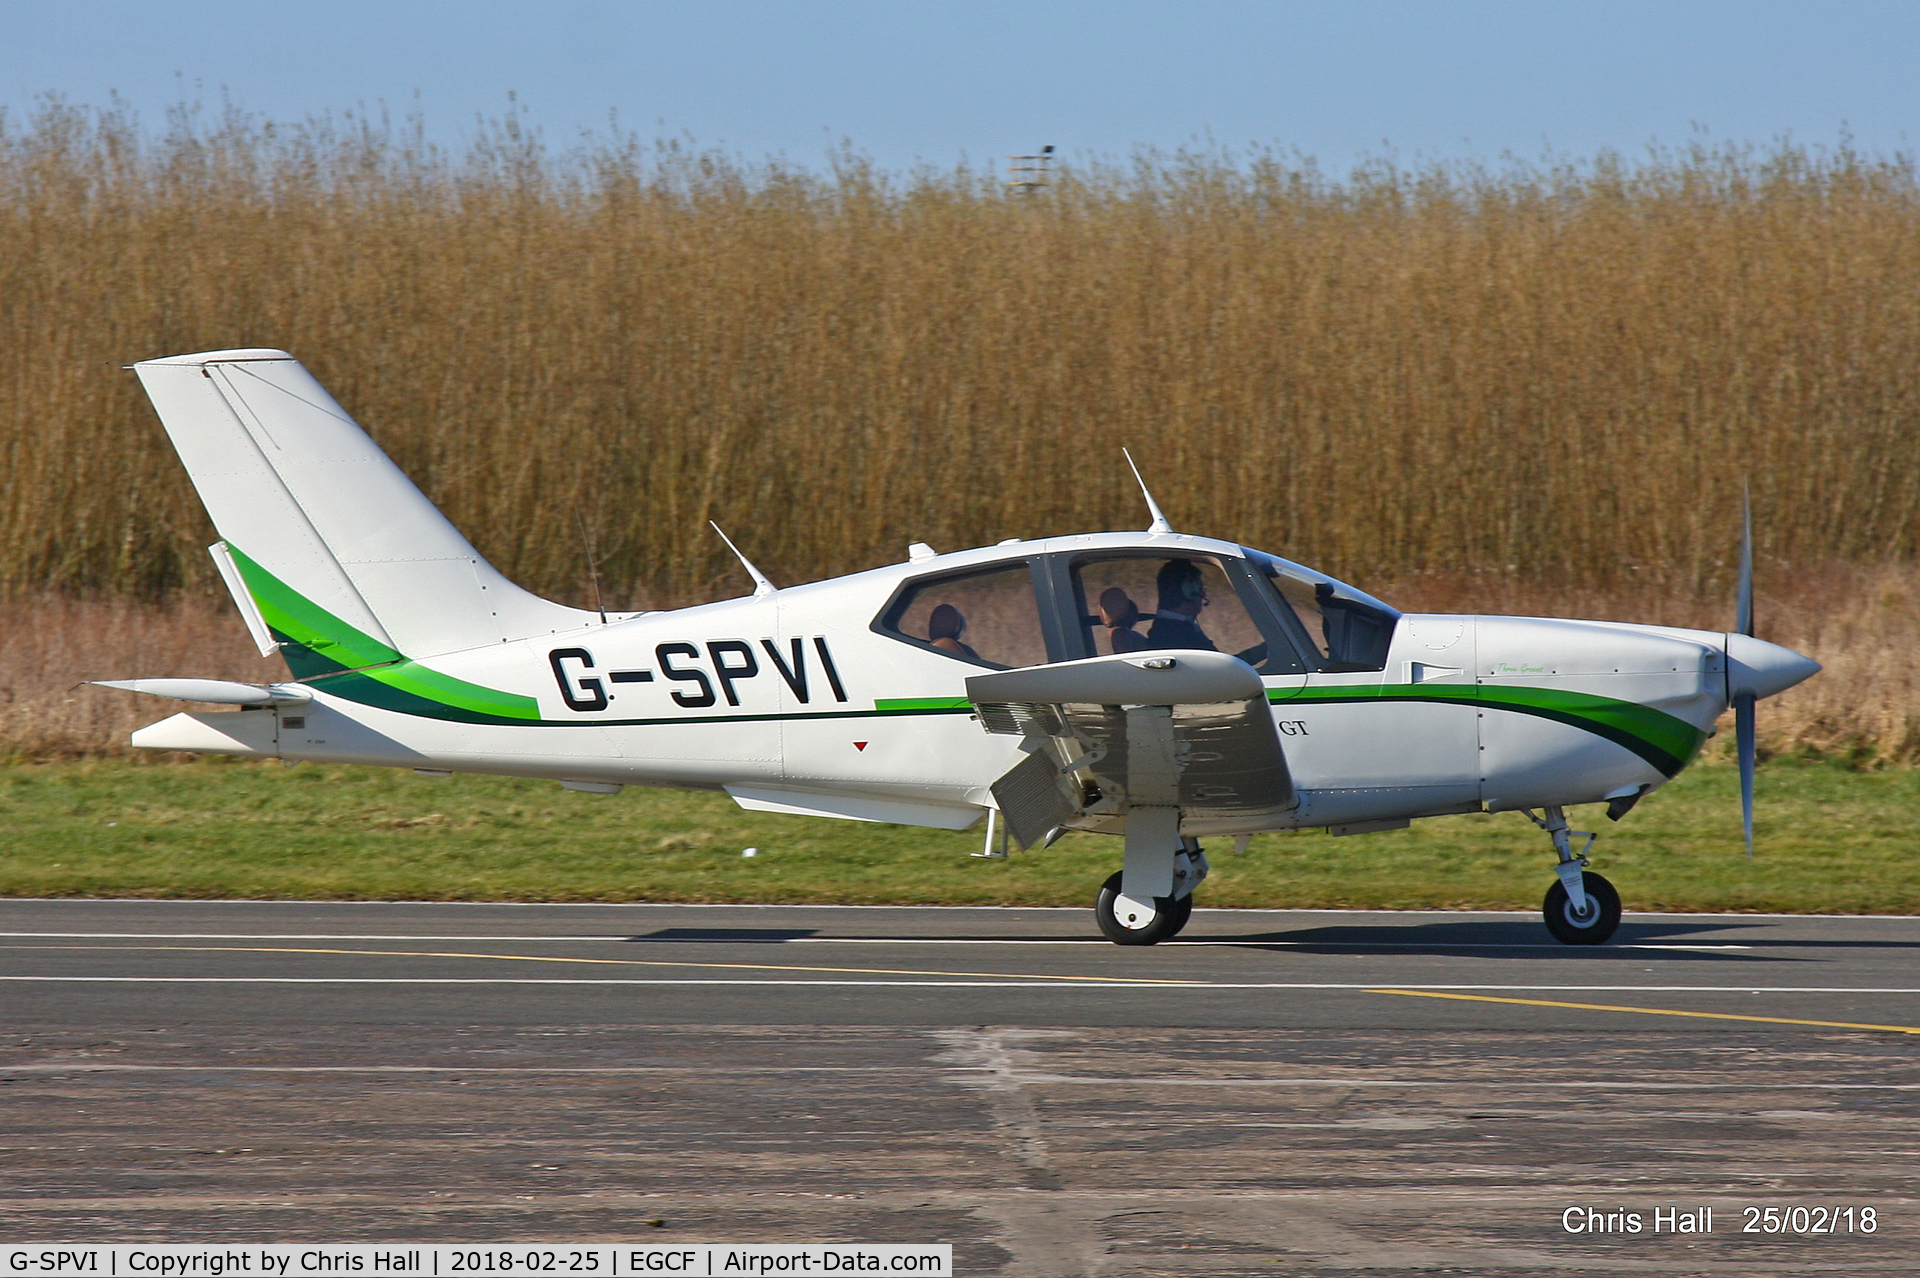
x=1158, y=686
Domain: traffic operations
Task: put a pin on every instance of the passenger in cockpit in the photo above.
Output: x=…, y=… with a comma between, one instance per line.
x=1119, y=614
x=944, y=628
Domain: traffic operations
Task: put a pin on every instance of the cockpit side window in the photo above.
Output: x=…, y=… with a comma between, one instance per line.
x=989, y=617
x=1348, y=630
x=1134, y=602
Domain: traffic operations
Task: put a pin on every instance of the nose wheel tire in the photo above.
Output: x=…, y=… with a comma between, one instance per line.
x=1125, y=923
x=1591, y=928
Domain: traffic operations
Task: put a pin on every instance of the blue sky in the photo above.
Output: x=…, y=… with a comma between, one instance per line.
x=911, y=81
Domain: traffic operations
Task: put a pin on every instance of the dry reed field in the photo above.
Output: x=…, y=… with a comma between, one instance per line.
x=1532, y=387
x=49, y=645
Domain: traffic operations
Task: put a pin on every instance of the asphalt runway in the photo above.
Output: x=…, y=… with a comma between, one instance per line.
x=1274, y=1092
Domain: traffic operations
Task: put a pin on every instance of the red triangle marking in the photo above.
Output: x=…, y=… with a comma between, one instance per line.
x=859, y=745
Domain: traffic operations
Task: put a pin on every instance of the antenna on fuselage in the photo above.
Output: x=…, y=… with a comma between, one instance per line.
x=1159, y=524
x=593, y=565
x=761, y=586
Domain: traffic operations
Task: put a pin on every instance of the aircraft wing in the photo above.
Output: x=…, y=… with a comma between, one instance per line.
x=1182, y=729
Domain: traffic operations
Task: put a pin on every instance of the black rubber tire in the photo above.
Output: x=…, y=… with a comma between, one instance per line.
x=1178, y=915
x=1570, y=929
x=1169, y=916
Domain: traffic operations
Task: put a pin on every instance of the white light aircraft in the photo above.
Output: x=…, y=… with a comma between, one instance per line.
x=1158, y=686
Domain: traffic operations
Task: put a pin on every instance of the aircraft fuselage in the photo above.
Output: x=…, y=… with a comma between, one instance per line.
x=811, y=700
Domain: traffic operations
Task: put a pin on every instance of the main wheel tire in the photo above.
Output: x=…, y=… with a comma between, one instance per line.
x=1591, y=928
x=1178, y=914
x=1169, y=916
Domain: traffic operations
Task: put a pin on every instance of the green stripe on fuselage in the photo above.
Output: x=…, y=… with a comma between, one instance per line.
x=324, y=650
x=922, y=705
x=1656, y=736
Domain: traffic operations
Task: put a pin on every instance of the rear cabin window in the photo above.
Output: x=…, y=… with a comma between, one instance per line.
x=1133, y=603
x=989, y=617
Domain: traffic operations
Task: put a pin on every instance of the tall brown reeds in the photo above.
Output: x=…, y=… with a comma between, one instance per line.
x=50, y=644
x=1534, y=388
x=1561, y=373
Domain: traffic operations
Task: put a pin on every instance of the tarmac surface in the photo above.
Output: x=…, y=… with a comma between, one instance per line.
x=1275, y=1092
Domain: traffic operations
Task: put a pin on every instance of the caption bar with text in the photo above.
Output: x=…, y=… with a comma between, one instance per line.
x=445, y=1260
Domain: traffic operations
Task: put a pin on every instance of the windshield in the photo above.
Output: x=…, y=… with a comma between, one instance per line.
x=1348, y=629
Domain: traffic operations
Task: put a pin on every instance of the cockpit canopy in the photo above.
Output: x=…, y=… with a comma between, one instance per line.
x=1026, y=610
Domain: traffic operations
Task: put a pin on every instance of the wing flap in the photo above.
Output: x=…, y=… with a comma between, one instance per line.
x=1032, y=799
x=1185, y=729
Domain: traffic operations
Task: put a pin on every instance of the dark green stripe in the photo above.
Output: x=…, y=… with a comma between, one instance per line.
x=1661, y=739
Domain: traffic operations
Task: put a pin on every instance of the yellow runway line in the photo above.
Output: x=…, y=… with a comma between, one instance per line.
x=550, y=958
x=1651, y=1011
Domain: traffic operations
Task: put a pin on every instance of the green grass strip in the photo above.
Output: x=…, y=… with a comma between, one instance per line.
x=1829, y=839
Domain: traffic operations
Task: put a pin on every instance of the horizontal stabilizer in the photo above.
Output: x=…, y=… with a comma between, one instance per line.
x=222, y=692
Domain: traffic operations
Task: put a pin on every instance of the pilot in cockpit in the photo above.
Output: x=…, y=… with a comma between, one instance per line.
x=1183, y=593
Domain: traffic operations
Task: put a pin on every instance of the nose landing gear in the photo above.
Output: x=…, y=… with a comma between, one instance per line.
x=1590, y=926
x=1582, y=908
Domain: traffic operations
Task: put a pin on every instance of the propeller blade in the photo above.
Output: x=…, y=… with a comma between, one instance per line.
x=1743, y=734
x=1743, y=609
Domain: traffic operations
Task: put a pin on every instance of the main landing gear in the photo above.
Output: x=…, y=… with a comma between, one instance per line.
x=1149, y=920
x=1582, y=908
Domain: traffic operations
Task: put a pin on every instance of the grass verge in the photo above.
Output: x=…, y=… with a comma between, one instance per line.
x=1831, y=840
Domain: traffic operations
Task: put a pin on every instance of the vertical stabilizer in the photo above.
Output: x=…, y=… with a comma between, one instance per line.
x=348, y=562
